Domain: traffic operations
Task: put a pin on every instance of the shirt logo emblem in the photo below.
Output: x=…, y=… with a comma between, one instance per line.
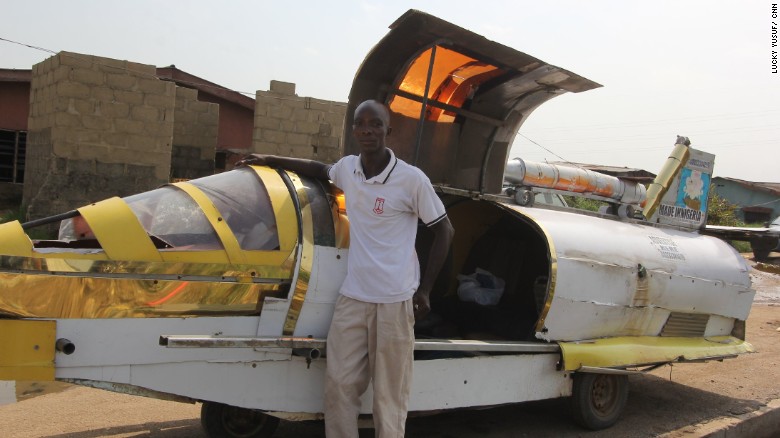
x=379, y=205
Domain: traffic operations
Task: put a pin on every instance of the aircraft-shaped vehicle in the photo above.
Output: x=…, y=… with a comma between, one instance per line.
x=221, y=289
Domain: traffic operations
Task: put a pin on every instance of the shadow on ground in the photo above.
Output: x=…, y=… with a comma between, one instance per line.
x=655, y=406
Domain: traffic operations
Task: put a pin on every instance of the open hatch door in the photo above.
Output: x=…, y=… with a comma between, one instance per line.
x=456, y=98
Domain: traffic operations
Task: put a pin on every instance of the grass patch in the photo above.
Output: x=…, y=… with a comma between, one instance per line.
x=12, y=215
x=767, y=267
x=41, y=233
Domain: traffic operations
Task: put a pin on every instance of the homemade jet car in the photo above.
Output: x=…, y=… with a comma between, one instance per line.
x=221, y=289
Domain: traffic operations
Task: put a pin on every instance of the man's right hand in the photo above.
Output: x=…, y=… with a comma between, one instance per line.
x=254, y=160
x=310, y=168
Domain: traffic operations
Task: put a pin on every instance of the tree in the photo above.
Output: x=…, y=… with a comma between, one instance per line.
x=722, y=212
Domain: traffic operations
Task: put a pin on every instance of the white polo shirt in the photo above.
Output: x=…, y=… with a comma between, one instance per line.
x=383, y=213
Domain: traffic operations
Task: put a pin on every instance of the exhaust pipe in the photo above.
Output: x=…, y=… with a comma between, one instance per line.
x=64, y=346
x=308, y=353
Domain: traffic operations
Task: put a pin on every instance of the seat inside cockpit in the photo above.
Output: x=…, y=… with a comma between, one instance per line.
x=493, y=240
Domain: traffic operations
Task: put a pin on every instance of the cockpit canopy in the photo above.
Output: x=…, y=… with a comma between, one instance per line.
x=176, y=221
x=456, y=98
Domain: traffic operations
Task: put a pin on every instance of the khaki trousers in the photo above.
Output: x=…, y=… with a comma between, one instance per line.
x=374, y=343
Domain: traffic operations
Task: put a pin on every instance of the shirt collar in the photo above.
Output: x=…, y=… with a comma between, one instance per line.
x=382, y=177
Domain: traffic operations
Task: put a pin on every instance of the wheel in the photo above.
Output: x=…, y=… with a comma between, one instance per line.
x=223, y=421
x=761, y=255
x=598, y=399
x=525, y=198
x=762, y=247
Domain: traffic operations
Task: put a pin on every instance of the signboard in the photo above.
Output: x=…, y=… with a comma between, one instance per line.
x=685, y=202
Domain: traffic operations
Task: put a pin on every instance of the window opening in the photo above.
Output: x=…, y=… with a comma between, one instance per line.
x=13, y=146
x=455, y=78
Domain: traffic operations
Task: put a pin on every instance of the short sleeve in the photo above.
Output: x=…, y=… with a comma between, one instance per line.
x=429, y=207
x=336, y=170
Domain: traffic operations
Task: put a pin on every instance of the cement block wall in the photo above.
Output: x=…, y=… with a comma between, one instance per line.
x=195, y=130
x=293, y=126
x=98, y=127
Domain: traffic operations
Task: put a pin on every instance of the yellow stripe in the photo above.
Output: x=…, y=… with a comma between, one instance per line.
x=284, y=208
x=27, y=349
x=229, y=241
x=14, y=241
x=301, y=286
x=643, y=350
x=117, y=229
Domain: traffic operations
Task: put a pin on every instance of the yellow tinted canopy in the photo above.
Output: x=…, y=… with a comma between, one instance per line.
x=456, y=98
x=454, y=78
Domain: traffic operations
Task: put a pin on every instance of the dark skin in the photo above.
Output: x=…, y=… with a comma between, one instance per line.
x=370, y=128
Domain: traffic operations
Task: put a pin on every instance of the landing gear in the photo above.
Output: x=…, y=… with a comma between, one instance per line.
x=524, y=197
x=223, y=421
x=598, y=399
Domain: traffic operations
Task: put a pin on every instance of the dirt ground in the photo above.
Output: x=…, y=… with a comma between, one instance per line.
x=669, y=401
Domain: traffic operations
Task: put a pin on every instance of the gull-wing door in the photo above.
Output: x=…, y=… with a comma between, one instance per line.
x=456, y=98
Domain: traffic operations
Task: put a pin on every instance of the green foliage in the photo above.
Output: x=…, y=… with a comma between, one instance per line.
x=12, y=215
x=33, y=233
x=583, y=203
x=721, y=212
x=741, y=246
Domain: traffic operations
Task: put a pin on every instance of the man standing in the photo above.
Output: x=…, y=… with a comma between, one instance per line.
x=371, y=337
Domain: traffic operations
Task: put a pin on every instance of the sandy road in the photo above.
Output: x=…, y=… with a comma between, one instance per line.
x=665, y=400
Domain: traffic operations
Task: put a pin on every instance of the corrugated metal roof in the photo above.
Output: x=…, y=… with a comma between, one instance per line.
x=183, y=78
x=15, y=75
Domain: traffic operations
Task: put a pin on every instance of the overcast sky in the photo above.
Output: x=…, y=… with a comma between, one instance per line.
x=702, y=69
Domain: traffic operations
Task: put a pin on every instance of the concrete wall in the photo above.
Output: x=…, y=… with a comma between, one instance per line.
x=98, y=127
x=195, y=130
x=301, y=127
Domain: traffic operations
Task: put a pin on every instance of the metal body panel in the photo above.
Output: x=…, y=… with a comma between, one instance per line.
x=104, y=342
x=7, y=392
x=293, y=386
x=616, y=275
x=648, y=350
x=27, y=350
x=329, y=270
x=718, y=326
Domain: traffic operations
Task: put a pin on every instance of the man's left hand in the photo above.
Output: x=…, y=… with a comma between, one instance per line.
x=422, y=305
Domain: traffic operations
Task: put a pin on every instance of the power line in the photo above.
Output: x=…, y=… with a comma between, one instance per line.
x=76, y=56
x=28, y=45
x=658, y=121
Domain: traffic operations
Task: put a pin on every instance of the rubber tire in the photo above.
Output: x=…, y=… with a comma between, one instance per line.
x=761, y=255
x=598, y=400
x=223, y=421
x=762, y=247
x=525, y=198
